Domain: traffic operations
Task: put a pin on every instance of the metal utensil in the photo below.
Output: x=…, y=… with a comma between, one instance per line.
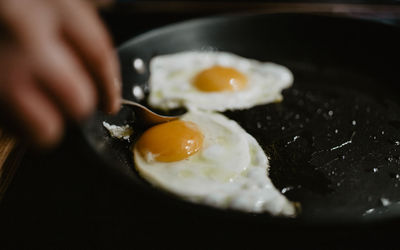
x=146, y=116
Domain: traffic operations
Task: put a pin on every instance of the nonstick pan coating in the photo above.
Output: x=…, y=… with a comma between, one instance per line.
x=334, y=141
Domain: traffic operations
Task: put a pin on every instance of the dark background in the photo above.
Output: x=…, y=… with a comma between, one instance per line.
x=66, y=199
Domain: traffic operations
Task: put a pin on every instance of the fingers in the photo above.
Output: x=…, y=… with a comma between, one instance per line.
x=63, y=76
x=28, y=22
x=67, y=64
x=77, y=24
x=35, y=116
x=86, y=33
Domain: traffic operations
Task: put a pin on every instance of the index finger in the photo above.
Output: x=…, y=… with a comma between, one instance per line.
x=84, y=30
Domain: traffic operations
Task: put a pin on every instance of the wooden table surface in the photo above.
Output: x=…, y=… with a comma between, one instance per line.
x=11, y=154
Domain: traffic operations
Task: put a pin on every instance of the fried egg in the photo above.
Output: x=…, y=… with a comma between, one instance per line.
x=214, y=81
x=207, y=158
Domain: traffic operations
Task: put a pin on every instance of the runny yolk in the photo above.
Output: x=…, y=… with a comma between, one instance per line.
x=218, y=78
x=171, y=141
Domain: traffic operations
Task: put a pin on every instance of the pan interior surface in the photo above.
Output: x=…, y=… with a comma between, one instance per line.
x=334, y=140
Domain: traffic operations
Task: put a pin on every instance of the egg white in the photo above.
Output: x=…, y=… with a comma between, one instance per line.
x=230, y=171
x=171, y=79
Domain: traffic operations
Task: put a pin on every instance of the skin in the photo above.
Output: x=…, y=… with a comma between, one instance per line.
x=57, y=64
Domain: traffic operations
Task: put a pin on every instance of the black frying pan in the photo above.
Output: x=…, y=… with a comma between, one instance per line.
x=333, y=141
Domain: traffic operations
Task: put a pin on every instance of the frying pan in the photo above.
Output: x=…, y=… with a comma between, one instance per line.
x=334, y=140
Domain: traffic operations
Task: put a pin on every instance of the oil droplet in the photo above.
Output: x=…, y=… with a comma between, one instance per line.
x=283, y=128
x=394, y=176
x=375, y=170
x=369, y=211
x=397, y=143
x=385, y=202
x=353, y=122
x=294, y=139
x=330, y=113
x=336, y=131
x=286, y=189
x=383, y=132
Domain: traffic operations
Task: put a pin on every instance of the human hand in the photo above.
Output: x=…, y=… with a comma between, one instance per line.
x=56, y=64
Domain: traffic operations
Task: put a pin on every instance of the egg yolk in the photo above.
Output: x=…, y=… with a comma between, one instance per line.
x=218, y=78
x=171, y=141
